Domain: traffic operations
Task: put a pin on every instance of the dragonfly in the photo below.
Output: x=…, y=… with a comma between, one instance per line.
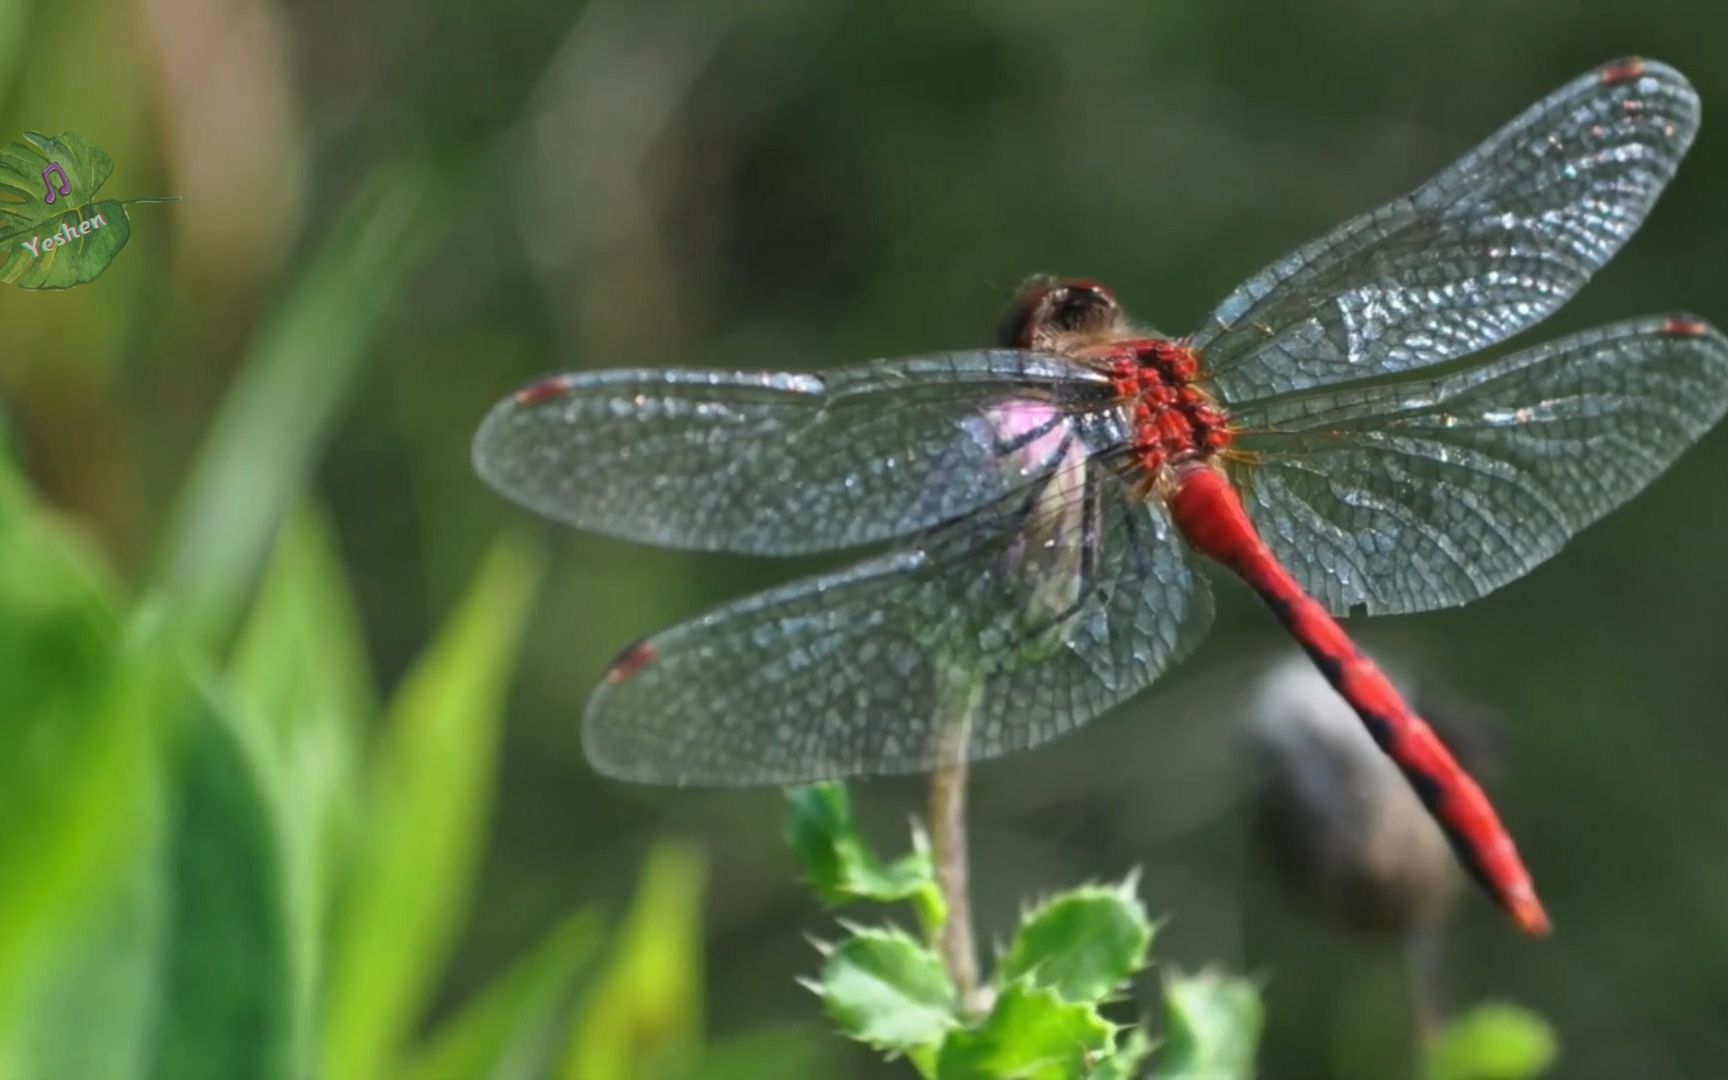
x=1038, y=509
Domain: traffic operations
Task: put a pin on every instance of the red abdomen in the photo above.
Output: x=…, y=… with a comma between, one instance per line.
x=1209, y=513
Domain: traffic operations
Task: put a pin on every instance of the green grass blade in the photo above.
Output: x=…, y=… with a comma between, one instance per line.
x=226, y=997
x=82, y=909
x=508, y=1032
x=176, y=963
x=299, y=375
x=301, y=686
x=426, y=818
x=643, y=1017
x=70, y=756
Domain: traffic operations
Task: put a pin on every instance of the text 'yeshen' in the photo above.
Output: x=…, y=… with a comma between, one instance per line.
x=65, y=235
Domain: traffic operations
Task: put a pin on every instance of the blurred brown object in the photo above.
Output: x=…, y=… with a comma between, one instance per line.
x=1347, y=835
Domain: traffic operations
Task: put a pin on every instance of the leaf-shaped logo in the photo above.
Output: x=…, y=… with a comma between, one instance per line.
x=54, y=233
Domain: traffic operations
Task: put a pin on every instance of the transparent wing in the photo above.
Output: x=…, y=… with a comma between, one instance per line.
x=1424, y=494
x=782, y=463
x=1488, y=247
x=1061, y=601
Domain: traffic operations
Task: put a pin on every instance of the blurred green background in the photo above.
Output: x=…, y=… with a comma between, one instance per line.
x=364, y=726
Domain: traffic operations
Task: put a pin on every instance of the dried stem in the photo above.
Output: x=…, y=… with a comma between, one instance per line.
x=948, y=844
x=1422, y=969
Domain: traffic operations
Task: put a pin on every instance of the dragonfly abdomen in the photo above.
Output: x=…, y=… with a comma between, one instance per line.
x=1209, y=513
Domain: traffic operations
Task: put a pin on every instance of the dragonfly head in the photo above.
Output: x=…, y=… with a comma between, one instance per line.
x=1059, y=315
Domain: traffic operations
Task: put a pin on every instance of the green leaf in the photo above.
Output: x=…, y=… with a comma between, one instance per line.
x=88, y=1008
x=86, y=880
x=301, y=686
x=1030, y=1034
x=185, y=966
x=643, y=1016
x=299, y=374
x=226, y=999
x=1212, y=1028
x=1492, y=1042
x=1125, y=1061
x=426, y=819
x=74, y=737
x=888, y=991
x=301, y=662
x=1084, y=944
x=839, y=863
x=508, y=1031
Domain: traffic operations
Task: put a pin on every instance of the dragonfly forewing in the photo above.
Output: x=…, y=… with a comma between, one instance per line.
x=1426, y=493
x=1054, y=604
x=776, y=463
x=1490, y=246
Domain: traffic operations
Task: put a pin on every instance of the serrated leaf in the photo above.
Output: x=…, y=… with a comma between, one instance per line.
x=1030, y=1034
x=888, y=991
x=67, y=242
x=1084, y=944
x=1124, y=1063
x=839, y=863
x=642, y=1019
x=1492, y=1042
x=425, y=821
x=1212, y=1028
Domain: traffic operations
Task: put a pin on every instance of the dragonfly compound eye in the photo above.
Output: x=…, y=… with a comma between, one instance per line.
x=1047, y=311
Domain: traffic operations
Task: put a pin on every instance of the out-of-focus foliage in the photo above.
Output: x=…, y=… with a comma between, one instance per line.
x=1042, y=1013
x=415, y=215
x=216, y=869
x=1214, y=1024
x=643, y=1016
x=1492, y=1042
x=301, y=373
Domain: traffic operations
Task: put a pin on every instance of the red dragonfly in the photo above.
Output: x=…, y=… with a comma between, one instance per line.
x=1041, y=502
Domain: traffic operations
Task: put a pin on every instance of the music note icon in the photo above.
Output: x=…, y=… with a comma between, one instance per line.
x=65, y=184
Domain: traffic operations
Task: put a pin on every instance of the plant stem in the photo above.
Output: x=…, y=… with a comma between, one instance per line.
x=948, y=842
x=1422, y=969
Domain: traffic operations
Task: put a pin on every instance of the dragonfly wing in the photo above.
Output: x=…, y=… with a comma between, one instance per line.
x=1423, y=494
x=1488, y=247
x=783, y=463
x=1059, y=602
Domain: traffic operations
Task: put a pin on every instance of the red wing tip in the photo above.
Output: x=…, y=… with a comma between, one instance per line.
x=632, y=660
x=542, y=391
x=1622, y=71
x=1685, y=327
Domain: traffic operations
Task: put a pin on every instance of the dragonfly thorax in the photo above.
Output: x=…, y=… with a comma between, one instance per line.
x=1173, y=419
